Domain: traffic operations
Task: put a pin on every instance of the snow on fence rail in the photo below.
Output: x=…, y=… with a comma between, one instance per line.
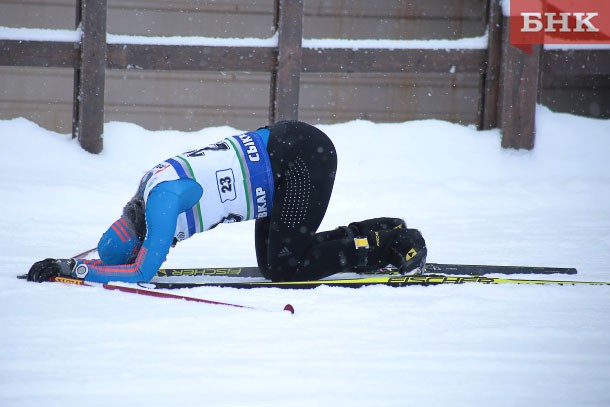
x=509, y=82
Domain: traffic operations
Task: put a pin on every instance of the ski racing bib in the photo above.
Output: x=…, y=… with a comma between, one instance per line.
x=236, y=178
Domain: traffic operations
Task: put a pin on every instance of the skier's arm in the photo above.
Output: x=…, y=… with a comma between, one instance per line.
x=161, y=215
x=165, y=202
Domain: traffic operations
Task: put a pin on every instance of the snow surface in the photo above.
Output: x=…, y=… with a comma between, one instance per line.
x=480, y=42
x=468, y=345
x=39, y=34
x=193, y=40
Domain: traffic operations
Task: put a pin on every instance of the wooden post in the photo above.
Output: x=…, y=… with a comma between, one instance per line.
x=89, y=76
x=76, y=87
x=286, y=76
x=488, y=111
x=519, y=88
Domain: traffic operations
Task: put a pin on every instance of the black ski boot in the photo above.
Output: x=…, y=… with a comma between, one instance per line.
x=360, y=229
x=403, y=248
x=364, y=227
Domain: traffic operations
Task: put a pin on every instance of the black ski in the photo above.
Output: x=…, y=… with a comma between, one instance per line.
x=431, y=268
x=393, y=281
x=438, y=268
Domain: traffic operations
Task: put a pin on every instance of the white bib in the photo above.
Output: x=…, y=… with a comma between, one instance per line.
x=236, y=178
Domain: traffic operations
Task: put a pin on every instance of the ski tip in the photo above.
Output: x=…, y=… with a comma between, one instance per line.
x=289, y=308
x=22, y=276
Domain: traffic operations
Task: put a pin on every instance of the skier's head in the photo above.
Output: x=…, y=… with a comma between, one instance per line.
x=120, y=244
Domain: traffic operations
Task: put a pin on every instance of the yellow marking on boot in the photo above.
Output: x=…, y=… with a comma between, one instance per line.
x=411, y=253
x=361, y=242
x=377, y=238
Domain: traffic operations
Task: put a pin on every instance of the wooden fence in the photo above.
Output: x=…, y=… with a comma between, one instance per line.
x=509, y=85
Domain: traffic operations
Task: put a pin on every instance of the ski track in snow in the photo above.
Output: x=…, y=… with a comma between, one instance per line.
x=468, y=345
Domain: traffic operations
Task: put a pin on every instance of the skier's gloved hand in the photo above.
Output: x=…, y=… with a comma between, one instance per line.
x=46, y=269
x=403, y=248
x=363, y=228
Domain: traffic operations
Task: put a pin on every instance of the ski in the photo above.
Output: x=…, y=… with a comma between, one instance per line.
x=431, y=268
x=84, y=254
x=157, y=294
x=392, y=281
x=438, y=268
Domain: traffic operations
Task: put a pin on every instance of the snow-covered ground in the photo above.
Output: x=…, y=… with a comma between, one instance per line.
x=468, y=345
